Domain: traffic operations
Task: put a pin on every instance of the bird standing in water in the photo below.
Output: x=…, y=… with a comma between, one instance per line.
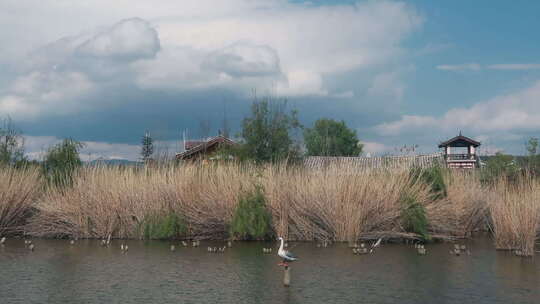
x=286, y=255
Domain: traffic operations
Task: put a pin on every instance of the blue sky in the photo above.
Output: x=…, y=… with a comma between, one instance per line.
x=399, y=72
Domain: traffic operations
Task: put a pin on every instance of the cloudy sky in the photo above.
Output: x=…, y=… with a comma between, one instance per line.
x=399, y=72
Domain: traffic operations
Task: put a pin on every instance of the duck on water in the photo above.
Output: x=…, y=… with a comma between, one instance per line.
x=286, y=255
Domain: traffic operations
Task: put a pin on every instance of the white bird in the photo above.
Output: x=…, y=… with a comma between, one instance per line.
x=377, y=244
x=287, y=256
x=3, y=240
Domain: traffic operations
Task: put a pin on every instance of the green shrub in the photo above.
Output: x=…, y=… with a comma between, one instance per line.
x=61, y=162
x=433, y=176
x=251, y=219
x=163, y=226
x=500, y=166
x=414, y=217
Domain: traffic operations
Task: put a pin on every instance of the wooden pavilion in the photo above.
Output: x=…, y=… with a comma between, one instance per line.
x=466, y=159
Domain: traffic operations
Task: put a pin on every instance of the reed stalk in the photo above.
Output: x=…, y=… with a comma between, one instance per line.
x=515, y=214
x=19, y=189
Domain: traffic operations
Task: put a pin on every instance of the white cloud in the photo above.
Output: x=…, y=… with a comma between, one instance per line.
x=375, y=147
x=244, y=59
x=514, y=66
x=42, y=92
x=460, y=67
x=499, y=66
x=236, y=45
x=507, y=114
x=37, y=146
x=129, y=39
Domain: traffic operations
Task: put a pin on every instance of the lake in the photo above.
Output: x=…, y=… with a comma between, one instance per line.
x=57, y=272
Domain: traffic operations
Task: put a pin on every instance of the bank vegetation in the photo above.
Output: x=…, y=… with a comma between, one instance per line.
x=248, y=201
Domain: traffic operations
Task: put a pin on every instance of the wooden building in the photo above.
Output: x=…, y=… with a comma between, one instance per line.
x=204, y=150
x=460, y=152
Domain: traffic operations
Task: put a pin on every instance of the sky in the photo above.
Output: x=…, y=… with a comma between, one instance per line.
x=398, y=72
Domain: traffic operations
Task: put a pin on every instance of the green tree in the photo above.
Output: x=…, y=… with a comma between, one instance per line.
x=61, y=161
x=11, y=144
x=267, y=133
x=331, y=138
x=532, y=146
x=147, y=148
x=251, y=219
x=500, y=165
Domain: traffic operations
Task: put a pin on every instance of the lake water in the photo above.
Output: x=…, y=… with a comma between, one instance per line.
x=57, y=272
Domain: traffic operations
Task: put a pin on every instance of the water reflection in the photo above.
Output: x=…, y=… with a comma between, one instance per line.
x=58, y=272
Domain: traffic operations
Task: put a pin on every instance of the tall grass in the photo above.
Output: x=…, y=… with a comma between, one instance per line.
x=463, y=209
x=515, y=214
x=336, y=203
x=19, y=189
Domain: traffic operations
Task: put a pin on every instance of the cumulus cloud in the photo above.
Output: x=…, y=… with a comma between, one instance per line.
x=234, y=45
x=45, y=93
x=244, y=59
x=507, y=115
x=129, y=39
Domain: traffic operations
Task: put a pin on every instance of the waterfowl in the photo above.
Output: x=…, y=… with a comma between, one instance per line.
x=286, y=255
x=72, y=242
x=229, y=244
x=377, y=244
x=421, y=250
x=173, y=248
x=3, y=240
x=184, y=243
x=31, y=247
x=103, y=242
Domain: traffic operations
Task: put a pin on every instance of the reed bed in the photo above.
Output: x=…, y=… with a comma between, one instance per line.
x=333, y=204
x=515, y=214
x=19, y=189
x=465, y=207
x=336, y=203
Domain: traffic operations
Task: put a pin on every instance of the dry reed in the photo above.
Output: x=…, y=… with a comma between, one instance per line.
x=18, y=191
x=515, y=214
x=464, y=209
x=335, y=203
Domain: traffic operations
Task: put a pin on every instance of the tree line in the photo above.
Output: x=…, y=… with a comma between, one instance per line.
x=271, y=133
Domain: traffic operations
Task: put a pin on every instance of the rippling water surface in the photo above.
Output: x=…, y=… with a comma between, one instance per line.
x=57, y=272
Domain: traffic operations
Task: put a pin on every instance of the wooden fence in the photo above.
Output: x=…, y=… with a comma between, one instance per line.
x=384, y=162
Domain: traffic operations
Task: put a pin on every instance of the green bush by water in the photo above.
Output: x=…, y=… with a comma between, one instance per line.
x=251, y=219
x=414, y=217
x=163, y=226
x=433, y=176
